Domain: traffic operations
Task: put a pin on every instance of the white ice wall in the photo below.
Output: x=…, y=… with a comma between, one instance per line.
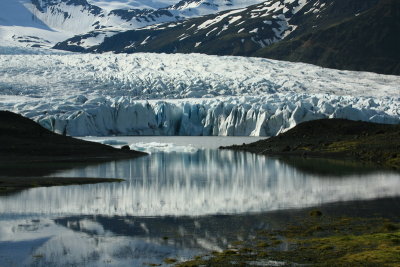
x=233, y=116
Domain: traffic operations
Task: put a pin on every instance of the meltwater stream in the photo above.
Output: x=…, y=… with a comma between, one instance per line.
x=179, y=201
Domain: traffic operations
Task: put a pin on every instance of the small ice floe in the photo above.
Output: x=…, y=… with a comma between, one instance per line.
x=111, y=142
x=163, y=147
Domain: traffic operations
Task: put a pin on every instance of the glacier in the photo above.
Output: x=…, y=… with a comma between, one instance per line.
x=186, y=94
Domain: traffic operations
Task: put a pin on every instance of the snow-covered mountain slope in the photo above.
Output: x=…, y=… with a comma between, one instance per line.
x=194, y=94
x=342, y=34
x=132, y=4
x=42, y=23
x=189, y=8
x=20, y=26
x=241, y=31
x=45, y=22
x=259, y=25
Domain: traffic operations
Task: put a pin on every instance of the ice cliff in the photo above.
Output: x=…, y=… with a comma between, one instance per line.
x=265, y=115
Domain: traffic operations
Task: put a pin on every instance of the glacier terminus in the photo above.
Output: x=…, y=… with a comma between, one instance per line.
x=185, y=94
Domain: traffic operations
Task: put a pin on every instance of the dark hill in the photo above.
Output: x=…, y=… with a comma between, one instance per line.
x=335, y=138
x=23, y=140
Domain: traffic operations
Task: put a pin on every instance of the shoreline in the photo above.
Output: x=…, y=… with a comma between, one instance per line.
x=10, y=185
x=318, y=239
x=315, y=240
x=30, y=152
x=340, y=139
x=28, y=149
x=24, y=140
x=350, y=233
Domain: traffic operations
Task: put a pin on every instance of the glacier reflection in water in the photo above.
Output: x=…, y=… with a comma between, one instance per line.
x=197, y=183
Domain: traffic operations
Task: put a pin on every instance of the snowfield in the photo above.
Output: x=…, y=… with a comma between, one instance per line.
x=186, y=94
x=28, y=23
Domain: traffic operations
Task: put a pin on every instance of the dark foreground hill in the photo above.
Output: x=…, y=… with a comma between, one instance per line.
x=28, y=152
x=335, y=138
x=23, y=140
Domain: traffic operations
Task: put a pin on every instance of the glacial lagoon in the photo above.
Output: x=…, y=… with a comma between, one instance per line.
x=186, y=198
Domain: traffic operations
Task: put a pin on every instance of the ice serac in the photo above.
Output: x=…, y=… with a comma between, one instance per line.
x=267, y=115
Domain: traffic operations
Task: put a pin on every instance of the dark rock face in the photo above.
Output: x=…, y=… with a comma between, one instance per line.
x=125, y=147
x=140, y=14
x=366, y=42
x=42, y=5
x=343, y=34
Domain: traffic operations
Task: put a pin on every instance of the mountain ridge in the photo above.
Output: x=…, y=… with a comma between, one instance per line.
x=320, y=32
x=343, y=34
x=68, y=18
x=336, y=47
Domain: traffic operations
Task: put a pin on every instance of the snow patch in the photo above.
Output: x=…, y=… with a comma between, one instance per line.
x=217, y=19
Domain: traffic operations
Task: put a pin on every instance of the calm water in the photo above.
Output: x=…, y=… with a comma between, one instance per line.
x=184, y=199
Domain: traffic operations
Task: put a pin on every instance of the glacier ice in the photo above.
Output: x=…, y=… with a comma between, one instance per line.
x=265, y=115
x=163, y=147
x=186, y=94
x=112, y=142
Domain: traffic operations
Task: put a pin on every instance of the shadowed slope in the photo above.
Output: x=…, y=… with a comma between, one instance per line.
x=22, y=139
x=335, y=138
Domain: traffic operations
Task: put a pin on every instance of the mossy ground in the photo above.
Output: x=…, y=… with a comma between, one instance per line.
x=317, y=240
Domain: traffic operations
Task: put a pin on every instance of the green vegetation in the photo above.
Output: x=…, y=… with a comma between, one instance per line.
x=170, y=260
x=316, y=241
x=315, y=213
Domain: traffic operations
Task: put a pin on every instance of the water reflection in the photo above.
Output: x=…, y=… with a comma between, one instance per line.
x=200, y=183
x=138, y=241
x=55, y=244
x=330, y=167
